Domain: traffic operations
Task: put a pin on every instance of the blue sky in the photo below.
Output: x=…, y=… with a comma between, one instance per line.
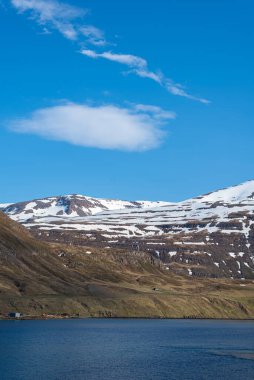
x=79, y=115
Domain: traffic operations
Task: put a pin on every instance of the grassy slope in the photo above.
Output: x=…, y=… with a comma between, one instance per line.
x=41, y=279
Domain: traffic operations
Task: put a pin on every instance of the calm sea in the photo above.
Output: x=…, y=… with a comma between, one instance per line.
x=126, y=350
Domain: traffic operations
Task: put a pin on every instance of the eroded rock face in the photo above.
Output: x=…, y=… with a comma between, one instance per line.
x=207, y=236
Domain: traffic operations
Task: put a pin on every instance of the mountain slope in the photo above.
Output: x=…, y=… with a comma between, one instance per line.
x=210, y=235
x=43, y=280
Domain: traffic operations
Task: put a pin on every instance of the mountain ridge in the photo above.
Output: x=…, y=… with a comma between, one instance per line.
x=132, y=203
x=72, y=204
x=210, y=235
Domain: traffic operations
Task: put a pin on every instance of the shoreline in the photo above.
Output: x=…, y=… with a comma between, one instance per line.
x=48, y=318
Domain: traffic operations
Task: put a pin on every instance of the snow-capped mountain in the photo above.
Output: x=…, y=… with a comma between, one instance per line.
x=68, y=206
x=4, y=205
x=210, y=235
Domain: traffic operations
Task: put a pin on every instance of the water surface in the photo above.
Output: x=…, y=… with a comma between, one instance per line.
x=108, y=349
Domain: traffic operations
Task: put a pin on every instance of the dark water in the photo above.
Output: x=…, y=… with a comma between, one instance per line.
x=126, y=350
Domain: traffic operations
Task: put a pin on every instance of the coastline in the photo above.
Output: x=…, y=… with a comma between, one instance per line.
x=59, y=317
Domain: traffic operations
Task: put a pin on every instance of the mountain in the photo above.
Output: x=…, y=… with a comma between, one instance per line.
x=27, y=265
x=45, y=280
x=4, y=205
x=207, y=236
x=69, y=206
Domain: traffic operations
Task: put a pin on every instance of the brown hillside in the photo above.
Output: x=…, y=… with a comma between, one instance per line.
x=41, y=279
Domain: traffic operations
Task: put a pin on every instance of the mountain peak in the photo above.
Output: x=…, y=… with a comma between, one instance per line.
x=72, y=205
x=234, y=194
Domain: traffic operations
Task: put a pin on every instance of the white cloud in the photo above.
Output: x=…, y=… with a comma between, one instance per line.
x=139, y=67
x=125, y=59
x=173, y=88
x=53, y=13
x=94, y=35
x=136, y=128
x=178, y=90
x=63, y=17
x=148, y=74
x=66, y=19
x=157, y=112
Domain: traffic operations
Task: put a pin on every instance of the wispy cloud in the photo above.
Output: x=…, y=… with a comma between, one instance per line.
x=52, y=13
x=134, y=128
x=125, y=59
x=93, y=35
x=68, y=20
x=157, y=113
x=139, y=66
